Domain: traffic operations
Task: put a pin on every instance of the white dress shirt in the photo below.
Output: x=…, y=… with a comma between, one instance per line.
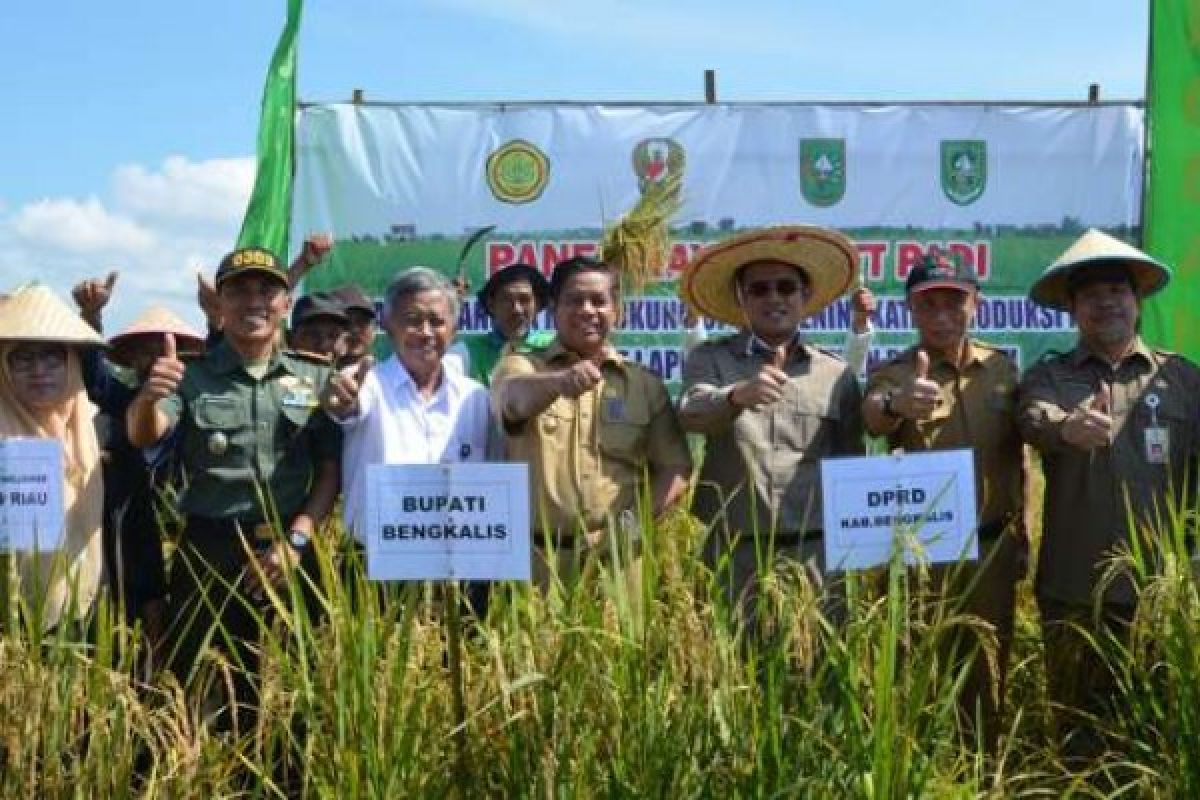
x=395, y=425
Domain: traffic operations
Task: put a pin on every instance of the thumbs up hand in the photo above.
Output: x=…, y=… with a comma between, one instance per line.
x=340, y=398
x=918, y=398
x=764, y=388
x=92, y=295
x=166, y=373
x=1091, y=425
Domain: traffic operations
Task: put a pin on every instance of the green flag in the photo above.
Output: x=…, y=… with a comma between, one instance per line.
x=269, y=213
x=1173, y=185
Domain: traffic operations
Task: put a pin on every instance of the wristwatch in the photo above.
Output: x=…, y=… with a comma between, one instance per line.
x=298, y=539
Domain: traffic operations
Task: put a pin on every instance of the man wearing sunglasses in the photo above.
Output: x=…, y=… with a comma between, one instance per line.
x=769, y=404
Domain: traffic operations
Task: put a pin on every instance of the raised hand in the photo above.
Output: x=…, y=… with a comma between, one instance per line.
x=764, y=388
x=1091, y=425
x=920, y=396
x=315, y=248
x=92, y=295
x=208, y=300
x=340, y=397
x=165, y=374
x=862, y=306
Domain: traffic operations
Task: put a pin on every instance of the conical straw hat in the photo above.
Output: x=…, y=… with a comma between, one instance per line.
x=1096, y=248
x=33, y=313
x=155, y=321
x=828, y=258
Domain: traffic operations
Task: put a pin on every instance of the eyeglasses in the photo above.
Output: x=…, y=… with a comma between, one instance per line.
x=785, y=287
x=26, y=360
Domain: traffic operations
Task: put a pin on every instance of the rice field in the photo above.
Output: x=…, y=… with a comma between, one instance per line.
x=602, y=688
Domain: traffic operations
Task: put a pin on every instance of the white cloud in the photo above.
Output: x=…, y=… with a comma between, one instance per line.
x=156, y=227
x=213, y=191
x=82, y=227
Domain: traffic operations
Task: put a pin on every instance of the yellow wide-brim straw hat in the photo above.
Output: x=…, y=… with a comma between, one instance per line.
x=827, y=257
x=34, y=313
x=1095, y=249
x=155, y=321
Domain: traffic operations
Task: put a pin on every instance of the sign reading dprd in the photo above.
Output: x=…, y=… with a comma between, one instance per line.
x=871, y=505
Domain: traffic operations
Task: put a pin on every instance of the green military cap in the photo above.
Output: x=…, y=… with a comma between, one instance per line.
x=251, y=259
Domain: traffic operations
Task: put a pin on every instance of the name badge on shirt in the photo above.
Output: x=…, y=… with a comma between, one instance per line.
x=614, y=408
x=300, y=397
x=1158, y=439
x=1158, y=445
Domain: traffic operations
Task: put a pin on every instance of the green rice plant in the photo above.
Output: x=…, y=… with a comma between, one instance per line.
x=1155, y=731
x=640, y=678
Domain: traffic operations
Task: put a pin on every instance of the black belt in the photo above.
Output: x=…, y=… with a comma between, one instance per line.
x=257, y=532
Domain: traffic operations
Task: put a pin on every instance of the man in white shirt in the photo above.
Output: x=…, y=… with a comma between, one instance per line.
x=410, y=409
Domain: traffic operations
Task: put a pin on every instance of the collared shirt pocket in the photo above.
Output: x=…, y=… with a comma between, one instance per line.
x=624, y=428
x=806, y=425
x=220, y=422
x=1072, y=394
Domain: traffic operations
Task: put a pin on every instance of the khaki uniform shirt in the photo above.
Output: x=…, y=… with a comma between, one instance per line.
x=242, y=437
x=977, y=411
x=589, y=455
x=761, y=470
x=1089, y=495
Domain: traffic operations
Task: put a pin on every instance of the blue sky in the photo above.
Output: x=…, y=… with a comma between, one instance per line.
x=129, y=126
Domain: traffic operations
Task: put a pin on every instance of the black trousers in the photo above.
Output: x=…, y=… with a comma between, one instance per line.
x=209, y=607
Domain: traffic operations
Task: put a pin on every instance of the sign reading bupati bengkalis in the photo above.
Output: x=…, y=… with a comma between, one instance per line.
x=448, y=522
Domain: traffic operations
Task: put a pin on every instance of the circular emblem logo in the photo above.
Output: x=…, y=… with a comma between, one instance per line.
x=517, y=172
x=658, y=162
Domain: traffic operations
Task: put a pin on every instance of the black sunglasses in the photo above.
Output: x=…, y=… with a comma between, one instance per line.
x=785, y=287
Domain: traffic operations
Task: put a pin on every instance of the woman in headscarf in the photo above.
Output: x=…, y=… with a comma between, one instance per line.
x=42, y=396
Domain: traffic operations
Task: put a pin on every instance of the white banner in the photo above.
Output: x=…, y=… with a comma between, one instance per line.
x=364, y=169
x=1004, y=189
x=447, y=522
x=875, y=504
x=31, y=494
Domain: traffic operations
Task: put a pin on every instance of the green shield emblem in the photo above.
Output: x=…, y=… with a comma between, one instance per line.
x=823, y=170
x=964, y=169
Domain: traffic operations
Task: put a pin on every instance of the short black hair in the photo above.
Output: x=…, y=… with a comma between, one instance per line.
x=577, y=265
x=1100, y=272
x=512, y=274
